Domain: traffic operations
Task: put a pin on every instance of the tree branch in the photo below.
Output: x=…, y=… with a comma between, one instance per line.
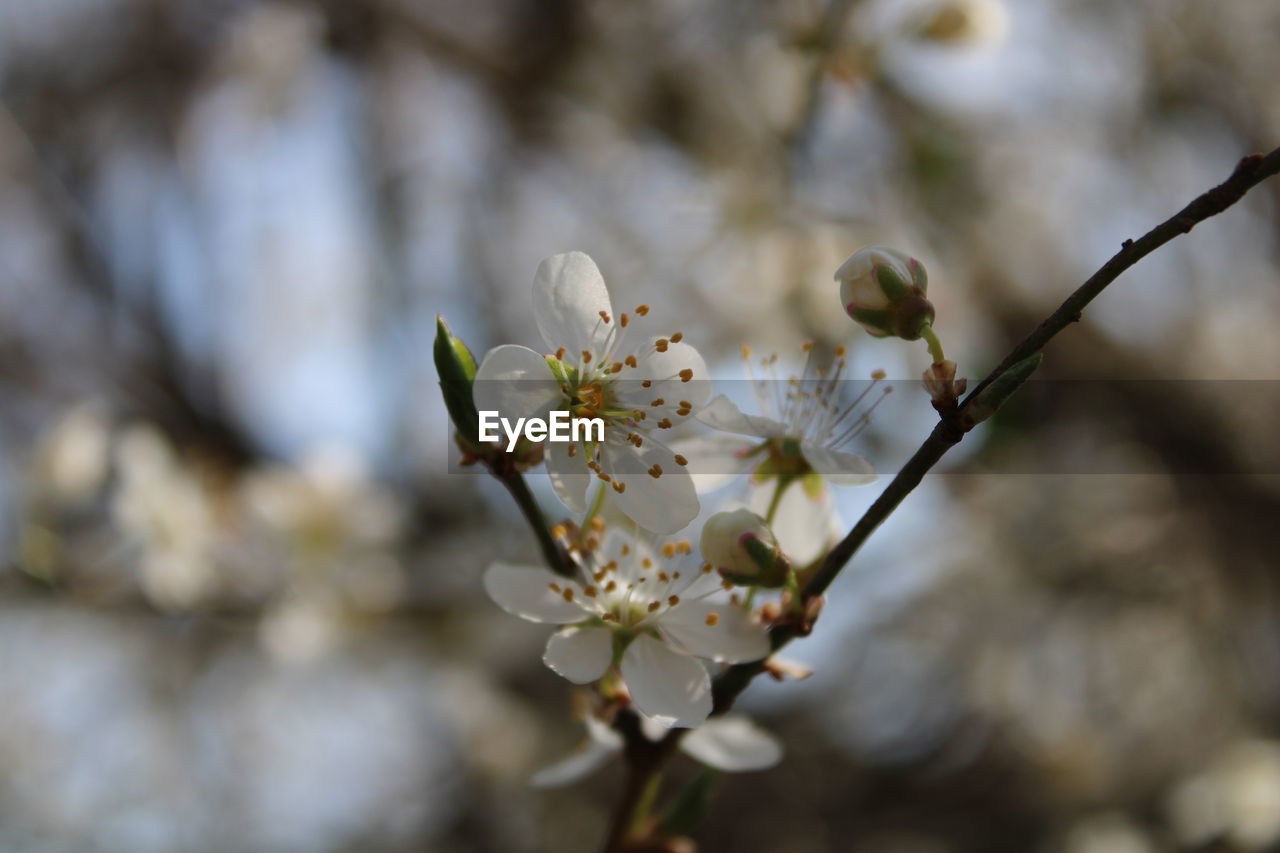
x=952, y=426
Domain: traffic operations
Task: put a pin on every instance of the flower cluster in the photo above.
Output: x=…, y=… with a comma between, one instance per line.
x=638, y=613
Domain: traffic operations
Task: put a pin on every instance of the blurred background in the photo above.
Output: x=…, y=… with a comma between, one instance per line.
x=240, y=606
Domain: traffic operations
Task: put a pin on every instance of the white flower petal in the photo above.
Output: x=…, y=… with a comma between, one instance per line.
x=671, y=687
x=804, y=527
x=579, y=764
x=525, y=591
x=714, y=460
x=579, y=654
x=723, y=415
x=663, y=504
x=515, y=382
x=837, y=467
x=568, y=295
x=663, y=370
x=569, y=474
x=630, y=564
x=734, y=638
x=732, y=743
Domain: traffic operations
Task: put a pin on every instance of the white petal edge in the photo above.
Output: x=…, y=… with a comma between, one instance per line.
x=663, y=504
x=723, y=415
x=734, y=638
x=663, y=370
x=568, y=295
x=525, y=591
x=579, y=654
x=671, y=687
x=515, y=382
x=732, y=743
x=837, y=467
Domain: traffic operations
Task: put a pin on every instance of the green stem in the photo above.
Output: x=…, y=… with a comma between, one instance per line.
x=595, y=507
x=935, y=345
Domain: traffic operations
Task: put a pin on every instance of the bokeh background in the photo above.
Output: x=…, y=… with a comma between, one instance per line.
x=240, y=606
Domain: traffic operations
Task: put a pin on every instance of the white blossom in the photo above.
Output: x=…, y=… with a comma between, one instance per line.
x=651, y=614
x=806, y=426
x=599, y=367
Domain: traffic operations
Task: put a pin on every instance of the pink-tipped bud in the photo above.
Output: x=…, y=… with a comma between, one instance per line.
x=883, y=290
x=742, y=548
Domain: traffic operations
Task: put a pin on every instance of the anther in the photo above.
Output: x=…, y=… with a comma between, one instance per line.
x=642, y=310
x=664, y=577
x=619, y=486
x=677, y=337
x=559, y=531
x=673, y=600
x=661, y=344
x=586, y=356
x=654, y=605
x=568, y=594
x=840, y=351
x=616, y=367
x=680, y=460
x=560, y=354
x=686, y=374
x=610, y=617
x=878, y=374
x=645, y=383
x=713, y=619
x=623, y=319
x=706, y=568
x=807, y=346
x=555, y=587
x=669, y=549
x=610, y=586
x=630, y=361
x=665, y=423
x=589, y=592
x=603, y=476
x=604, y=315
x=646, y=562
x=657, y=401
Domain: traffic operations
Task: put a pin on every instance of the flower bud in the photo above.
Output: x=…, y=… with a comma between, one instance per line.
x=740, y=545
x=457, y=370
x=883, y=290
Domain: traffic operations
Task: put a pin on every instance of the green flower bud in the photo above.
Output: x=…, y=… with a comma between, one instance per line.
x=883, y=290
x=740, y=545
x=456, y=368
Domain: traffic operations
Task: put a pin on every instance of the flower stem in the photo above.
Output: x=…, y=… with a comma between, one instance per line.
x=776, y=500
x=935, y=345
x=595, y=507
x=555, y=557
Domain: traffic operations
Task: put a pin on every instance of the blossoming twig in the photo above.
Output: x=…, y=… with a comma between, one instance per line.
x=951, y=428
